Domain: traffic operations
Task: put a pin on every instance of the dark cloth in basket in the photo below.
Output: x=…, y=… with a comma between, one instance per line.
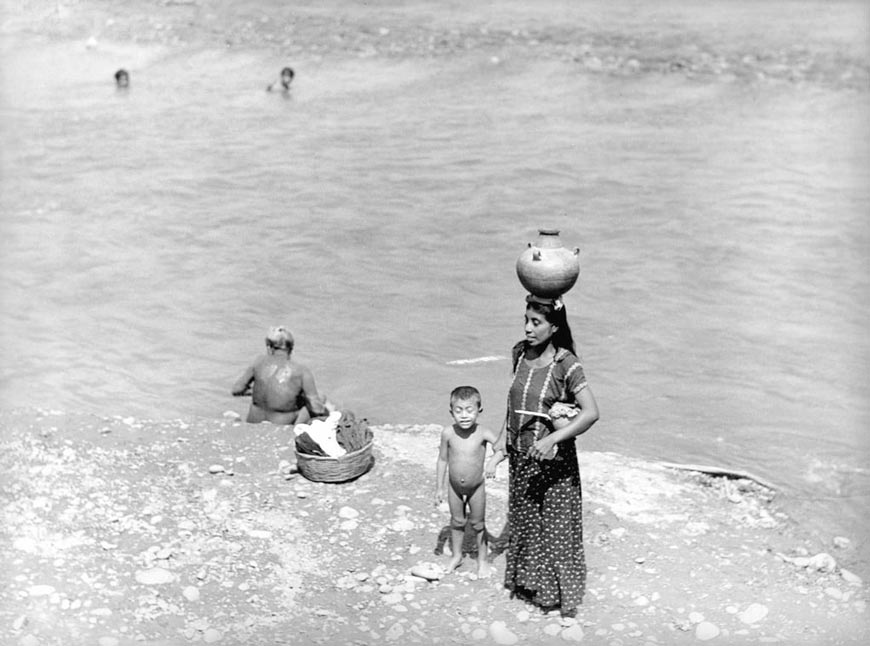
x=352, y=434
x=306, y=444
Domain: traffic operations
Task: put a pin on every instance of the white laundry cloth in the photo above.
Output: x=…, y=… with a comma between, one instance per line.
x=323, y=431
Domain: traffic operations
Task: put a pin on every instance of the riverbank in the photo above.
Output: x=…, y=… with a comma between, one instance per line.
x=123, y=531
x=704, y=41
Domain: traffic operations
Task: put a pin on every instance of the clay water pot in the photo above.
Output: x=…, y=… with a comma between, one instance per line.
x=546, y=268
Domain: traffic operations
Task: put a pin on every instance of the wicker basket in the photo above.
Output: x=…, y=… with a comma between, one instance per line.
x=341, y=469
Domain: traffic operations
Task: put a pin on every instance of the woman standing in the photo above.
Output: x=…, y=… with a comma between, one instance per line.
x=545, y=561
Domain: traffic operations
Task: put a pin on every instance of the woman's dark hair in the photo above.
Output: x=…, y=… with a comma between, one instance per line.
x=558, y=317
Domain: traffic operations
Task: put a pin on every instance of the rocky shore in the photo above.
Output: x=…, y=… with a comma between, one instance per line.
x=625, y=43
x=121, y=531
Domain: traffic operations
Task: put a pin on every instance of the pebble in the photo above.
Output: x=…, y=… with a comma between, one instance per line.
x=211, y=635
x=395, y=632
x=552, y=629
x=154, y=576
x=822, y=562
x=348, y=512
x=501, y=634
x=216, y=468
x=834, y=593
x=427, y=571
x=696, y=617
x=478, y=634
x=25, y=544
x=841, y=542
x=402, y=525
x=850, y=577
x=573, y=633
x=392, y=597
x=754, y=612
x=706, y=631
x=199, y=624
x=191, y=593
x=40, y=590
x=641, y=601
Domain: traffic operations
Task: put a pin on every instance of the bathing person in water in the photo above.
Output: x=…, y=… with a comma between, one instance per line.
x=284, y=82
x=122, y=79
x=461, y=466
x=282, y=391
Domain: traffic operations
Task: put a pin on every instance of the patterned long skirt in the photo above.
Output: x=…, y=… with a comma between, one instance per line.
x=545, y=561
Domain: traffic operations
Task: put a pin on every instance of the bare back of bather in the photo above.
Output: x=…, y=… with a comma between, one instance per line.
x=282, y=391
x=278, y=392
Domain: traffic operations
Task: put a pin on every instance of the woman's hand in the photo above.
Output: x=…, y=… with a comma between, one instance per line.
x=543, y=449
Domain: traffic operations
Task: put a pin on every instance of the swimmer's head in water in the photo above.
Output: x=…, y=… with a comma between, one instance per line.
x=279, y=338
x=122, y=78
x=287, y=75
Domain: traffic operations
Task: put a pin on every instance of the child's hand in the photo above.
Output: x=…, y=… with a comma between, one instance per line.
x=491, y=468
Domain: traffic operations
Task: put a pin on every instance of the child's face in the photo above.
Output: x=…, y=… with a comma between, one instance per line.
x=465, y=412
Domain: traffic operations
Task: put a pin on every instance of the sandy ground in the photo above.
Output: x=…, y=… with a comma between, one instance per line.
x=122, y=531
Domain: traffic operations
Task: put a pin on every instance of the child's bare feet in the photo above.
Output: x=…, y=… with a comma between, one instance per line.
x=453, y=563
x=483, y=569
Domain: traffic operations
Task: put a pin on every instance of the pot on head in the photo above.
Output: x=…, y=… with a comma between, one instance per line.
x=546, y=268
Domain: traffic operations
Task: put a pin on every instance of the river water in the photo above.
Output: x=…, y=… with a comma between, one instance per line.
x=150, y=237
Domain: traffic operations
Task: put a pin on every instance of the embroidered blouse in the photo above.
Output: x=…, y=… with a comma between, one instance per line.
x=536, y=390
